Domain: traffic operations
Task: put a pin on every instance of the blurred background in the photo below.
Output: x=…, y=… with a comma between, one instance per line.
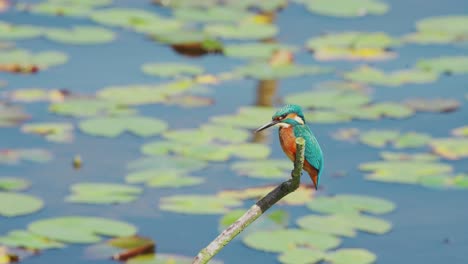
x=126, y=129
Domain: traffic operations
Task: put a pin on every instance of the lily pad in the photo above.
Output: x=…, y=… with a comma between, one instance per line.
x=80, y=35
x=302, y=256
x=346, y=8
x=162, y=258
x=375, y=76
x=11, y=115
x=63, y=8
x=13, y=184
x=172, y=178
x=15, y=156
x=55, y=132
x=269, y=221
x=450, y=148
x=121, y=248
x=89, y=107
x=16, y=204
x=441, y=29
x=80, y=229
x=246, y=117
x=26, y=239
x=37, y=95
x=242, y=31
x=24, y=58
x=445, y=64
x=115, y=126
x=265, y=71
x=198, y=204
x=299, y=197
x=334, y=99
x=461, y=131
x=326, y=224
x=433, y=105
x=211, y=14
x=379, y=138
x=264, y=169
x=351, y=255
x=17, y=32
x=164, y=163
x=168, y=70
x=287, y=239
x=347, y=204
x=103, y=193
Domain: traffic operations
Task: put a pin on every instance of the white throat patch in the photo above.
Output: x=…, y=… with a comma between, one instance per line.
x=285, y=125
x=299, y=120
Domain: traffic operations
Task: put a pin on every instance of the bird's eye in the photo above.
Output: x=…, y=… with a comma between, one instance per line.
x=283, y=116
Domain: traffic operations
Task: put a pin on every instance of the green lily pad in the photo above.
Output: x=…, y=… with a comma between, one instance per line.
x=36, y=95
x=71, y=8
x=269, y=221
x=432, y=37
x=198, y=204
x=450, y=148
x=162, y=258
x=379, y=138
x=211, y=14
x=264, y=169
x=445, y=64
x=190, y=101
x=299, y=197
x=265, y=71
x=16, y=204
x=246, y=117
x=284, y=240
x=55, y=132
x=396, y=156
x=17, y=32
x=115, y=126
x=80, y=229
x=454, y=25
x=13, y=184
x=461, y=131
x=89, y=107
x=26, y=239
x=327, y=225
x=163, y=179
x=103, y=193
x=346, y=204
x=164, y=163
x=15, y=156
x=250, y=150
x=403, y=171
x=433, y=105
x=121, y=248
x=80, y=35
x=301, y=256
x=346, y=8
x=11, y=115
x=242, y=31
x=207, y=152
x=351, y=255
x=375, y=76
x=352, y=46
x=24, y=58
x=144, y=94
x=254, y=50
x=168, y=70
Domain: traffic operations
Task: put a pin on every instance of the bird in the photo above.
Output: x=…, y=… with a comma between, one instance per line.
x=292, y=124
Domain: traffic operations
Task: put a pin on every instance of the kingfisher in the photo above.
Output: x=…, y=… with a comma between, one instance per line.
x=292, y=124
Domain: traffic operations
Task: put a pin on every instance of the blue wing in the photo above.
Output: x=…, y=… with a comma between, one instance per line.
x=313, y=153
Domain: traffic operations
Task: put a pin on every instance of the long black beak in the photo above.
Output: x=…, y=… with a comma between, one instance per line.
x=272, y=123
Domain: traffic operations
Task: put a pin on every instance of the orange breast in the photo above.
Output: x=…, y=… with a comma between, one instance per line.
x=288, y=142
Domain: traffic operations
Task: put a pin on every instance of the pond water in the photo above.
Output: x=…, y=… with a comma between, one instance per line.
x=428, y=224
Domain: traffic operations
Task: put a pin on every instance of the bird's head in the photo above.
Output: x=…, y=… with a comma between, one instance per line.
x=288, y=115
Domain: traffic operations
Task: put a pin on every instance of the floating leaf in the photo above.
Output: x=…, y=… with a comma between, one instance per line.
x=14, y=156
x=346, y=8
x=26, y=239
x=64, y=8
x=440, y=30
x=351, y=255
x=433, y=105
x=89, y=107
x=24, y=58
x=198, y=204
x=264, y=169
x=11, y=115
x=102, y=193
x=247, y=117
x=301, y=256
x=299, y=197
x=172, y=178
x=17, y=32
x=13, y=184
x=284, y=240
x=211, y=14
x=115, y=126
x=461, y=131
x=80, y=229
x=80, y=35
x=270, y=221
x=37, y=95
x=345, y=204
x=446, y=64
x=242, y=31
x=168, y=70
x=16, y=204
x=352, y=46
x=164, y=163
x=56, y=132
x=334, y=99
x=326, y=224
x=450, y=148
x=379, y=138
x=375, y=76
x=161, y=258
x=121, y=248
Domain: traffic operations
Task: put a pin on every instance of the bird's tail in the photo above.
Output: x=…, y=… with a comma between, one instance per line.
x=313, y=174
